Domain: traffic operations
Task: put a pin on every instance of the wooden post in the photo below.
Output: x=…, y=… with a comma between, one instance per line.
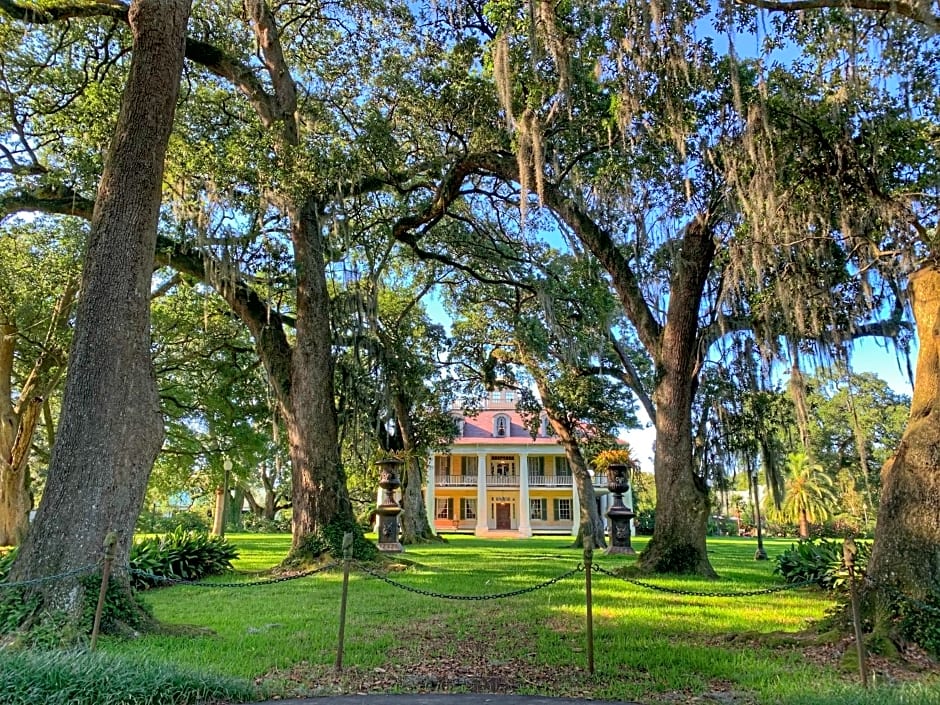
x=110, y=543
x=589, y=600
x=347, y=555
x=849, y=551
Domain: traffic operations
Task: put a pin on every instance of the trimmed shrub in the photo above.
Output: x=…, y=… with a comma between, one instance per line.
x=820, y=561
x=185, y=555
x=254, y=524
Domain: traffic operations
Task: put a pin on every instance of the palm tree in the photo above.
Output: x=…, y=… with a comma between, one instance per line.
x=808, y=494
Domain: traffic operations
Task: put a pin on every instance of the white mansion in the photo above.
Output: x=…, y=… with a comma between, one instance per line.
x=496, y=480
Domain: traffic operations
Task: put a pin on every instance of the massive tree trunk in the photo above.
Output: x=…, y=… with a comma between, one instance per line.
x=415, y=527
x=320, y=496
x=111, y=428
x=301, y=375
x=906, y=552
x=678, y=543
x=305, y=385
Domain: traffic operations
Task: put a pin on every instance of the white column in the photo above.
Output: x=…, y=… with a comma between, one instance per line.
x=429, y=504
x=483, y=511
x=575, y=508
x=525, y=528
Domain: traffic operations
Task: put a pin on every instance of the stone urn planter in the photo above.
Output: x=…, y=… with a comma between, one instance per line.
x=620, y=515
x=388, y=509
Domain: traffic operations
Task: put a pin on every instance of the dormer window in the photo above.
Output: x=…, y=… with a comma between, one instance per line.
x=501, y=426
x=543, y=425
x=460, y=425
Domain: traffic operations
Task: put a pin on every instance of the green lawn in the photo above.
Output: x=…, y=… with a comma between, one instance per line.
x=649, y=646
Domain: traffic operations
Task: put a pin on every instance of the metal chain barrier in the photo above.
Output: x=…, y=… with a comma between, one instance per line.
x=693, y=593
x=254, y=583
x=51, y=578
x=446, y=596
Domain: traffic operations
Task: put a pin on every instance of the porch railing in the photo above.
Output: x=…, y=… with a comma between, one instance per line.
x=502, y=480
x=549, y=480
x=455, y=480
x=561, y=481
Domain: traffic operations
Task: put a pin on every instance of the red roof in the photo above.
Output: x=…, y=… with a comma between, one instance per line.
x=479, y=429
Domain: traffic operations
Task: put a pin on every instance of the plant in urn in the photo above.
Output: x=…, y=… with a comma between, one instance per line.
x=618, y=465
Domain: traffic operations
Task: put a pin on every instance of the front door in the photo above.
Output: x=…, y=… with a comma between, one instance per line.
x=503, y=516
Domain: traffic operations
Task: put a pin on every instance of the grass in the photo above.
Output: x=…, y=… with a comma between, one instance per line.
x=82, y=678
x=650, y=647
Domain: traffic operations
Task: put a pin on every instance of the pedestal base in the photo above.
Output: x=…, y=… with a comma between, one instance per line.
x=619, y=551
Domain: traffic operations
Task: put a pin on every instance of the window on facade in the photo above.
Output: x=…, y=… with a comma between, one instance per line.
x=468, y=465
x=562, y=469
x=444, y=508
x=562, y=510
x=536, y=465
x=495, y=396
x=537, y=509
x=441, y=465
x=468, y=508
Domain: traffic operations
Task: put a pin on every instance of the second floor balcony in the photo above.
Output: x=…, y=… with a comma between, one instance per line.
x=562, y=481
x=512, y=480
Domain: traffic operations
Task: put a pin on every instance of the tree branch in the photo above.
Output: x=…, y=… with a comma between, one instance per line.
x=59, y=201
x=632, y=378
x=65, y=11
x=284, y=102
x=919, y=11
